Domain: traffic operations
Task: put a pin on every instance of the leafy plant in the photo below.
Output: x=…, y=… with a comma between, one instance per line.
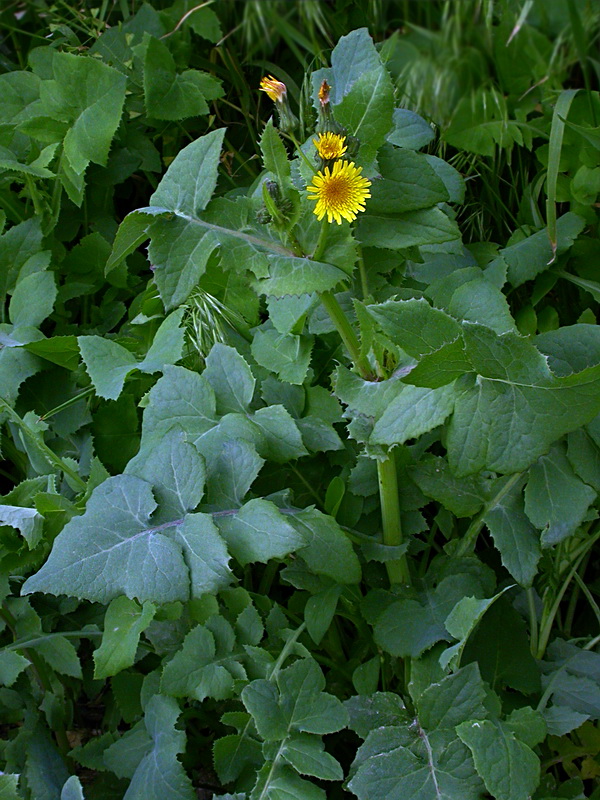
x=307, y=508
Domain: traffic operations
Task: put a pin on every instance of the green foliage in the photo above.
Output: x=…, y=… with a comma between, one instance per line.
x=293, y=509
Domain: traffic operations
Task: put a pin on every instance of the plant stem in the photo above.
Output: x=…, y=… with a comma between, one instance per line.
x=346, y=333
x=533, y=623
x=390, y=516
x=322, y=241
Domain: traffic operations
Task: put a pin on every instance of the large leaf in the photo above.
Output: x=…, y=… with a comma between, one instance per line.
x=160, y=773
x=424, y=760
x=509, y=768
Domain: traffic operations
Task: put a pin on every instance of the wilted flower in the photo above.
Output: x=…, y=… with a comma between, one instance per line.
x=276, y=90
x=339, y=192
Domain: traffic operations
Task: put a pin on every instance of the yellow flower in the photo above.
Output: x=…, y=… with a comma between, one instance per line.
x=274, y=88
x=330, y=146
x=340, y=192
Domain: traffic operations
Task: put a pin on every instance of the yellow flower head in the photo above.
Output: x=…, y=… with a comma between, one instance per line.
x=274, y=88
x=339, y=192
x=330, y=146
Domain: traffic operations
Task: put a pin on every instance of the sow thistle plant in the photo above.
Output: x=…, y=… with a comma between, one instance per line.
x=296, y=547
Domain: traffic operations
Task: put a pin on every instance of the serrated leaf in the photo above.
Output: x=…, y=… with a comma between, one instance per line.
x=205, y=554
x=281, y=435
x=514, y=390
x=378, y=710
x=275, y=158
x=532, y=255
x=11, y=666
x=107, y=363
x=124, y=756
x=327, y=550
x=230, y=377
x=287, y=355
x=188, y=184
x=205, y=665
x=175, y=96
x=514, y=536
x=409, y=130
x=556, y=500
x=124, y=623
x=259, y=532
x=510, y=769
x=411, y=229
x=180, y=398
x=413, y=411
x=72, y=790
x=176, y=470
x=91, y=557
x=306, y=754
x=366, y=111
x=27, y=521
x=232, y=471
x=160, y=773
x=424, y=760
x=464, y=497
x=33, y=299
x=408, y=183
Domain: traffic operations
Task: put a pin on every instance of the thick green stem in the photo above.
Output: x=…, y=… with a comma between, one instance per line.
x=347, y=334
x=390, y=517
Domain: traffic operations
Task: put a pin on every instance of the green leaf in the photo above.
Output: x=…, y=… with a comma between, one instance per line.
x=8, y=787
x=412, y=412
x=205, y=554
x=124, y=756
x=188, y=184
x=281, y=435
x=584, y=456
x=133, y=232
x=306, y=754
x=16, y=365
x=461, y=622
x=169, y=95
x=72, y=790
x=17, y=246
x=530, y=256
x=11, y=666
x=206, y=664
x=366, y=111
x=410, y=130
x=571, y=348
x=179, y=252
x=285, y=354
x=231, y=379
x=26, y=520
x=92, y=555
x=510, y=769
x=378, y=710
x=353, y=56
x=275, y=157
x=87, y=95
x=514, y=536
x=319, y=612
x=411, y=229
x=464, y=497
x=180, y=398
x=424, y=760
x=282, y=783
x=556, y=500
x=501, y=646
x=514, y=390
x=233, y=468
x=259, y=532
x=167, y=345
x=297, y=704
x=107, y=363
x=124, y=622
x=293, y=275
x=33, y=299
x=327, y=549
x=175, y=469
x=160, y=773
x=408, y=183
